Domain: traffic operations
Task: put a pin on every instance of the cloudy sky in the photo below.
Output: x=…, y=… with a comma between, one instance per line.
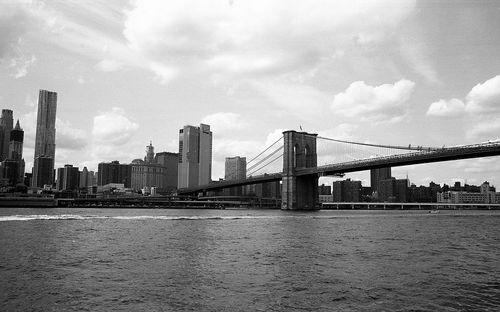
x=127, y=73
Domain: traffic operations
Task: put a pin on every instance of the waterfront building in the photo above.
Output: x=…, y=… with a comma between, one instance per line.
x=486, y=195
x=6, y=123
x=377, y=175
x=43, y=172
x=14, y=163
x=346, y=191
x=114, y=172
x=68, y=178
x=171, y=162
x=195, y=156
x=149, y=173
x=324, y=189
x=45, y=141
x=235, y=169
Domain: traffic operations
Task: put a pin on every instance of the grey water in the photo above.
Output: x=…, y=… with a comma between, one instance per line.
x=248, y=260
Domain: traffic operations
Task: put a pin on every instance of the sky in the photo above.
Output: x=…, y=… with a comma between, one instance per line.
x=425, y=73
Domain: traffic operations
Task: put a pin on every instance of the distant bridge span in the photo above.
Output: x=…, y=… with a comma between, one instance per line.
x=300, y=171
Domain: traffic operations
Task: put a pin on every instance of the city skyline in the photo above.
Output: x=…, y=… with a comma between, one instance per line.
x=416, y=73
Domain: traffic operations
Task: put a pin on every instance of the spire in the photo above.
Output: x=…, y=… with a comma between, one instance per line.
x=17, y=127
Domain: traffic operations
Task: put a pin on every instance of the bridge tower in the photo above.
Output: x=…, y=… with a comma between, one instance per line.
x=299, y=192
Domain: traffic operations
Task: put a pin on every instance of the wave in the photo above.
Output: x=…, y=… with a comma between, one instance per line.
x=90, y=217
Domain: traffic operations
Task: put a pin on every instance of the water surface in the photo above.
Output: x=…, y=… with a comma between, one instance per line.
x=248, y=260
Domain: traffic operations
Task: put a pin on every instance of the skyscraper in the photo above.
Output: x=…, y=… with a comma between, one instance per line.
x=235, y=168
x=377, y=175
x=45, y=142
x=16, y=150
x=195, y=156
x=6, y=123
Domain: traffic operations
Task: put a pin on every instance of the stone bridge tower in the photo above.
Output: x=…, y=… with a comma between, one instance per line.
x=299, y=192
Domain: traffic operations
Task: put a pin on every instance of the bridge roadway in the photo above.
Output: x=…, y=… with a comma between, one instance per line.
x=420, y=157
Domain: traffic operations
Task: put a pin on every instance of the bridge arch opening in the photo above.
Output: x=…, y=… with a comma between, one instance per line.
x=296, y=154
x=308, y=156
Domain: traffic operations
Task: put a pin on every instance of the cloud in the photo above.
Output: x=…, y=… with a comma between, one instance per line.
x=224, y=121
x=485, y=97
x=236, y=38
x=20, y=65
x=68, y=137
x=109, y=65
x=387, y=102
x=113, y=128
x=446, y=108
x=485, y=129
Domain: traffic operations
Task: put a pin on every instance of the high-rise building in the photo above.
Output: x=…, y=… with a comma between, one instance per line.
x=114, y=172
x=195, y=156
x=45, y=142
x=16, y=151
x=6, y=123
x=68, y=178
x=170, y=161
x=377, y=175
x=346, y=191
x=235, y=169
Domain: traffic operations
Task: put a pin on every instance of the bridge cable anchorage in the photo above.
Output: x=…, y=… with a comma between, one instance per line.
x=408, y=148
x=272, y=161
x=265, y=158
x=265, y=150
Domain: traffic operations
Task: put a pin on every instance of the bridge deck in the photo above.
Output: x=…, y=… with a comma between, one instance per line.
x=421, y=157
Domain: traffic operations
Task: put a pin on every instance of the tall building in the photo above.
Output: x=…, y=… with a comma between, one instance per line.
x=235, y=169
x=45, y=142
x=16, y=153
x=170, y=161
x=195, y=156
x=377, y=175
x=68, y=178
x=6, y=123
x=346, y=191
x=114, y=172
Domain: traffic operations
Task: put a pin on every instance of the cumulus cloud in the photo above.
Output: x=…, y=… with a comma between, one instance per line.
x=387, y=102
x=69, y=137
x=250, y=37
x=113, y=128
x=446, y=108
x=485, y=97
x=224, y=121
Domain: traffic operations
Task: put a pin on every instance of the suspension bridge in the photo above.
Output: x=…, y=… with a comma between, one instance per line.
x=300, y=171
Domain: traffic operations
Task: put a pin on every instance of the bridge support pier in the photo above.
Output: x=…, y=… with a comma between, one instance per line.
x=299, y=192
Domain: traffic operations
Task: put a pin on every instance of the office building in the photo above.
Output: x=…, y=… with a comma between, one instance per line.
x=235, y=169
x=195, y=156
x=346, y=191
x=114, y=172
x=68, y=178
x=14, y=163
x=6, y=123
x=377, y=175
x=45, y=141
x=148, y=173
x=171, y=163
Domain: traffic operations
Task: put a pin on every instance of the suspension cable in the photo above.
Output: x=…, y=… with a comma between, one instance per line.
x=273, y=160
x=409, y=147
x=265, y=158
x=265, y=150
